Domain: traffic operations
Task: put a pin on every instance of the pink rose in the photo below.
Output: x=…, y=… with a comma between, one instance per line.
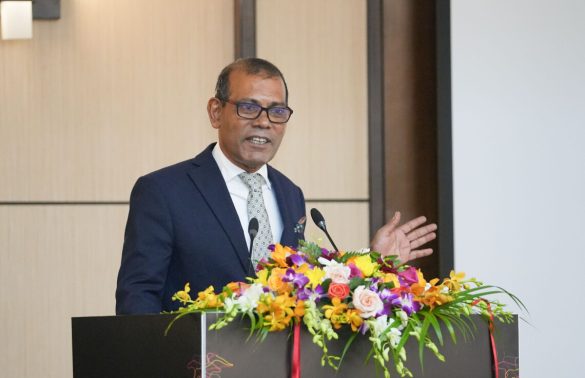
x=337, y=272
x=367, y=301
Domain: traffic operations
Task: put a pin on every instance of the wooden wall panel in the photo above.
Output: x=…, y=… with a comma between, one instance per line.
x=411, y=114
x=347, y=224
x=321, y=48
x=55, y=262
x=112, y=90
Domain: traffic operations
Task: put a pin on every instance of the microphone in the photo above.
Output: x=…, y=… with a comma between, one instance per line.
x=252, y=231
x=320, y=222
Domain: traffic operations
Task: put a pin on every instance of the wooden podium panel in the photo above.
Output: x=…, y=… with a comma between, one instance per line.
x=135, y=346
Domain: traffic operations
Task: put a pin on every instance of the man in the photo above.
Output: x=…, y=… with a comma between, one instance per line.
x=188, y=222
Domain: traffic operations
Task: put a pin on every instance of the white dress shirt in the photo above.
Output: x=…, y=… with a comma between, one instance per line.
x=239, y=194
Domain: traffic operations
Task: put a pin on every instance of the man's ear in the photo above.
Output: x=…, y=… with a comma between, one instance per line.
x=214, y=110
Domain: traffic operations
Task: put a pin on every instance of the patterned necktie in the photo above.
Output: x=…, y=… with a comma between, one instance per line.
x=256, y=209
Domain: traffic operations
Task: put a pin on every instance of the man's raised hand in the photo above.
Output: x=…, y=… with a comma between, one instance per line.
x=403, y=241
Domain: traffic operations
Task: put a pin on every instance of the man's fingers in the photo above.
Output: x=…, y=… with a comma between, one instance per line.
x=390, y=226
x=420, y=232
x=411, y=225
x=424, y=240
x=420, y=253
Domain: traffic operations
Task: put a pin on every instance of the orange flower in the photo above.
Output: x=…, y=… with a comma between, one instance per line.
x=433, y=296
x=237, y=287
x=275, y=282
x=299, y=310
x=208, y=299
x=280, y=254
x=279, y=311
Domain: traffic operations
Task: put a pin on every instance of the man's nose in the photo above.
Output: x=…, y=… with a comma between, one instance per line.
x=263, y=120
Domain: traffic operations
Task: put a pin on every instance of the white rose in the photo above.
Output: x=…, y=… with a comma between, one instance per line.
x=337, y=272
x=367, y=301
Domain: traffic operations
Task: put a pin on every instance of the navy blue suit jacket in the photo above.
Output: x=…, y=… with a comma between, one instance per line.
x=183, y=227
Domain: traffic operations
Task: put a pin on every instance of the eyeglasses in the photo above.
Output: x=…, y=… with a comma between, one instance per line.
x=248, y=110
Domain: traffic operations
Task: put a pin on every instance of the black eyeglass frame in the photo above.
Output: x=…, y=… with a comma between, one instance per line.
x=262, y=109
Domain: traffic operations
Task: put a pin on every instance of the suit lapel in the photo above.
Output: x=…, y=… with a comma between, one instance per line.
x=209, y=181
x=287, y=236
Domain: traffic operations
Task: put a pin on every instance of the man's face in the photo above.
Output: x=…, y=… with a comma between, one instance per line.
x=249, y=143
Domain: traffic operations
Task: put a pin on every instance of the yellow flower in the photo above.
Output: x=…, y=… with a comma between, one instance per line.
x=264, y=304
x=183, y=295
x=279, y=311
x=315, y=276
x=391, y=277
x=421, y=278
x=365, y=264
x=262, y=277
x=336, y=312
x=208, y=299
x=453, y=282
x=304, y=268
x=354, y=319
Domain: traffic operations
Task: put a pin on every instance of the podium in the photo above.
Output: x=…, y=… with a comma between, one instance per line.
x=135, y=346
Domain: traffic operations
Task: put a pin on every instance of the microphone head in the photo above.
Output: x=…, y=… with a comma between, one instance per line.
x=253, y=227
x=318, y=219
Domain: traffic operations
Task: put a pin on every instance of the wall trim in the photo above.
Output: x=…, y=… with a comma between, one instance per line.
x=376, y=159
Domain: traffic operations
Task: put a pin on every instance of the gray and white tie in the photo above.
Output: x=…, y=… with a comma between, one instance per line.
x=257, y=209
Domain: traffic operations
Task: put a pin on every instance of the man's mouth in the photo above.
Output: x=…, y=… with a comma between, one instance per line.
x=258, y=140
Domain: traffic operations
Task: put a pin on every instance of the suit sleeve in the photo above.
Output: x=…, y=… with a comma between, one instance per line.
x=148, y=245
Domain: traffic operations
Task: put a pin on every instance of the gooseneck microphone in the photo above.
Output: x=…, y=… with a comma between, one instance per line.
x=320, y=222
x=252, y=231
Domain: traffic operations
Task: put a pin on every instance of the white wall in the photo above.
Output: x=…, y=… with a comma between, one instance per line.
x=519, y=165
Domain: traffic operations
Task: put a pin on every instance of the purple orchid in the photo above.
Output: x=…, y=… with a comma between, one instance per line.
x=374, y=283
x=405, y=302
x=296, y=259
x=298, y=279
x=329, y=255
x=305, y=293
x=388, y=298
x=364, y=328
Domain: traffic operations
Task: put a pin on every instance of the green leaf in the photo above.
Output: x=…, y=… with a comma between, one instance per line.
x=405, y=336
x=355, y=282
x=447, y=322
x=421, y=342
x=346, y=347
x=174, y=320
x=436, y=327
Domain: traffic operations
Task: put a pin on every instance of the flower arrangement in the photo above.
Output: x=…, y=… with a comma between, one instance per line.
x=369, y=293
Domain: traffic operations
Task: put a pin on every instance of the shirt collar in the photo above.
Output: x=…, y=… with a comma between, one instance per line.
x=230, y=171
